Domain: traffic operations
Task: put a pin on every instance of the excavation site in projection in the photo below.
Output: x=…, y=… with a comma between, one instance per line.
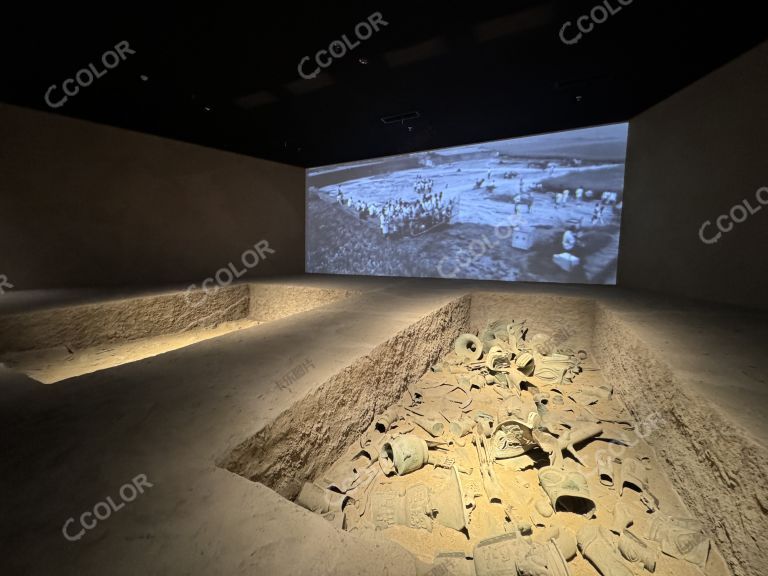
x=543, y=208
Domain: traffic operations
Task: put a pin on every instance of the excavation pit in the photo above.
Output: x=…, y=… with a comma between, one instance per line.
x=321, y=434
x=51, y=345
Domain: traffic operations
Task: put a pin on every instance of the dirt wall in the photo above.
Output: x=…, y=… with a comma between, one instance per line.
x=720, y=472
x=306, y=439
x=87, y=205
x=270, y=301
x=125, y=320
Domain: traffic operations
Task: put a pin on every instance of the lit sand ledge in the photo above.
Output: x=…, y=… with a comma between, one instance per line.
x=59, y=343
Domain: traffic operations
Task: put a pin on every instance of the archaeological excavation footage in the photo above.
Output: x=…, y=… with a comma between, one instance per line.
x=384, y=289
x=538, y=209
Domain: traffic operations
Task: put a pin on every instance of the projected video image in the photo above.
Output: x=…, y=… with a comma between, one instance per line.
x=538, y=209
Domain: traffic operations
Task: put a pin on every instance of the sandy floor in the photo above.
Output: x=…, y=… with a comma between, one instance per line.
x=54, y=364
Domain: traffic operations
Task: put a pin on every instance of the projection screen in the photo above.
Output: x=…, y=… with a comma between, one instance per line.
x=543, y=208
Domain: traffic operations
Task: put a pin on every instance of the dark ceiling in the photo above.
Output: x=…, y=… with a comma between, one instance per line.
x=226, y=76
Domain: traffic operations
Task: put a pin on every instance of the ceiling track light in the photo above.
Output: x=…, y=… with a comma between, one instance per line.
x=401, y=118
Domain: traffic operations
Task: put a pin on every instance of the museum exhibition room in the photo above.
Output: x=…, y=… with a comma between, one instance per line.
x=385, y=289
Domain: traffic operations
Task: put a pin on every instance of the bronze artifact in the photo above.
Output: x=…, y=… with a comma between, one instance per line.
x=595, y=546
x=567, y=491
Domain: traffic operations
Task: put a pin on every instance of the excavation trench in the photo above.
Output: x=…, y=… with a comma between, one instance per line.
x=322, y=431
x=54, y=344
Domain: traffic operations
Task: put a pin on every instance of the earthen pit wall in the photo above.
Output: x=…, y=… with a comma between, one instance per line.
x=570, y=319
x=308, y=437
x=124, y=320
x=718, y=470
x=115, y=321
x=274, y=301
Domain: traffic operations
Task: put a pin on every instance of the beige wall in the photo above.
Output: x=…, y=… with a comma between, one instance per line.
x=691, y=158
x=89, y=205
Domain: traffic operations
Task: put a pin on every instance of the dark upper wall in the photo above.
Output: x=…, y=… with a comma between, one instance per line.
x=90, y=205
x=692, y=158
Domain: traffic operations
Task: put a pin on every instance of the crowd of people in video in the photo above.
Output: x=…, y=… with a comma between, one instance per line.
x=401, y=218
x=599, y=214
x=398, y=218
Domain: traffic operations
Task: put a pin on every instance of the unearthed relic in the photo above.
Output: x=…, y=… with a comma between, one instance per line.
x=595, y=545
x=327, y=503
x=556, y=446
x=496, y=359
x=389, y=418
x=493, y=489
x=567, y=491
x=622, y=517
x=432, y=426
x=682, y=538
x=543, y=560
x=565, y=540
x=544, y=508
x=514, y=437
x=450, y=506
x=468, y=347
x=462, y=427
x=499, y=555
x=635, y=550
x=499, y=456
x=605, y=469
x=514, y=555
x=418, y=506
x=452, y=564
x=634, y=473
x=410, y=507
x=406, y=454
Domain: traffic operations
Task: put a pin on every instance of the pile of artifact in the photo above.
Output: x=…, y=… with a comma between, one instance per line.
x=487, y=444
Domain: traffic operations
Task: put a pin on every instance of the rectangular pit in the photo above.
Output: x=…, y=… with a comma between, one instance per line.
x=309, y=437
x=54, y=344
